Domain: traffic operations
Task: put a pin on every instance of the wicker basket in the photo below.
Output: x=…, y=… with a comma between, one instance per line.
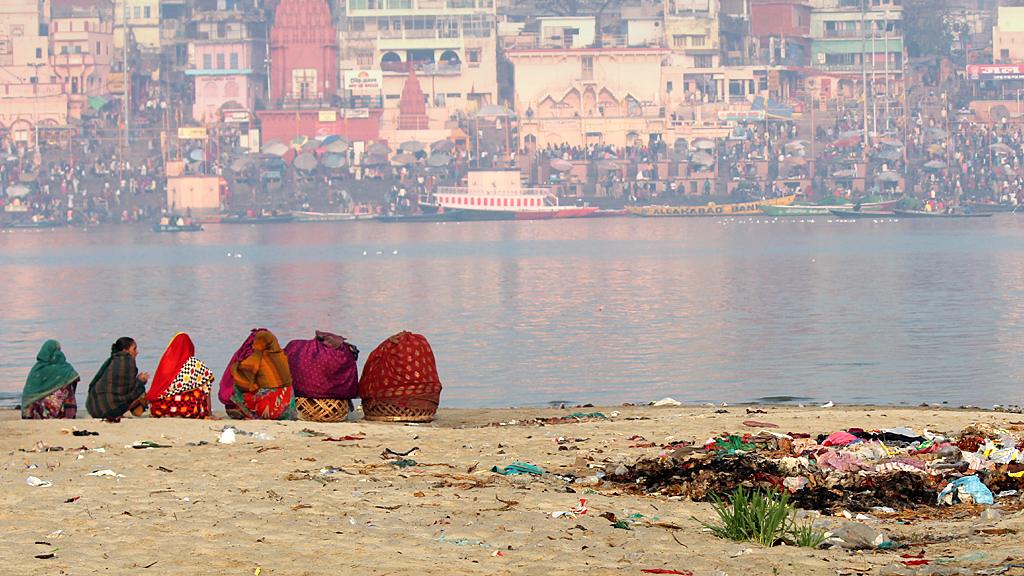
x=322, y=409
x=382, y=411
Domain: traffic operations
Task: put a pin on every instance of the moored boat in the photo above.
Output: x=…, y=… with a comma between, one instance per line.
x=712, y=209
x=927, y=214
x=497, y=194
x=862, y=214
x=823, y=210
x=323, y=216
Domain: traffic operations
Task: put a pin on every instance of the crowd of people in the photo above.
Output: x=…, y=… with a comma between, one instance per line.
x=262, y=380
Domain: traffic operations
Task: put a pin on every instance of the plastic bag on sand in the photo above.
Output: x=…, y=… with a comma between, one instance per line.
x=968, y=489
x=227, y=436
x=857, y=536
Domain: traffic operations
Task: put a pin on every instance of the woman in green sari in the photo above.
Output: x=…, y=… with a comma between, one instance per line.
x=50, y=387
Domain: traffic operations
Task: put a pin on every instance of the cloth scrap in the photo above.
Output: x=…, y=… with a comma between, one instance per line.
x=517, y=468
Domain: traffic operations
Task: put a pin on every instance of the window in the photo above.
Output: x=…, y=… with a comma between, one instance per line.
x=587, y=65
x=207, y=61
x=234, y=60
x=473, y=55
x=220, y=61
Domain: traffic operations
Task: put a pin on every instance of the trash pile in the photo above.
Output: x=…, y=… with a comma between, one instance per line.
x=857, y=470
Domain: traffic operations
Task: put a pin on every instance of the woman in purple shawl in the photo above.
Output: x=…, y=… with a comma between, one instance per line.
x=324, y=367
x=227, y=381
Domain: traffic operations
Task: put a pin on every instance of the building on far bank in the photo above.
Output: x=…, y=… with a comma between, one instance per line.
x=227, y=50
x=588, y=95
x=451, y=44
x=1008, y=35
x=32, y=96
x=82, y=52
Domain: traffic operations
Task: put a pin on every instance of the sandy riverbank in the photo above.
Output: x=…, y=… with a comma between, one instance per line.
x=264, y=504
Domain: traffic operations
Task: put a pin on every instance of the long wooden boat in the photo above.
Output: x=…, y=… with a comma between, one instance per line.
x=37, y=224
x=862, y=214
x=323, y=216
x=160, y=227
x=926, y=214
x=711, y=209
x=821, y=210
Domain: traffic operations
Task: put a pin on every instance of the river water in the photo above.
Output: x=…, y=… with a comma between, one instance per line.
x=525, y=313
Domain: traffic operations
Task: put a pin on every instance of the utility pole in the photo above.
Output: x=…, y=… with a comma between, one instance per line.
x=864, y=83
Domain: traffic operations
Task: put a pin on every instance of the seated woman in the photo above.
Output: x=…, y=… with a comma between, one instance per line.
x=50, y=387
x=118, y=387
x=263, y=382
x=227, y=382
x=181, y=383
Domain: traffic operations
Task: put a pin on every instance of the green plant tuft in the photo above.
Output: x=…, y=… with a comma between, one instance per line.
x=764, y=517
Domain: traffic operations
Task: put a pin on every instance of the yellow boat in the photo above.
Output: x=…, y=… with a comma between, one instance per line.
x=712, y=209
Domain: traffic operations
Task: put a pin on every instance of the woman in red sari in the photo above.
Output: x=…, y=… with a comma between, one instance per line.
x=181, y=384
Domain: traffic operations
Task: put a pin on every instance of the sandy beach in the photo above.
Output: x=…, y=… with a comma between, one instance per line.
x=290, y=502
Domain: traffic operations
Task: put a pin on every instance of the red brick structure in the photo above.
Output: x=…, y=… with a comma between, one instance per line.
x=303, y=53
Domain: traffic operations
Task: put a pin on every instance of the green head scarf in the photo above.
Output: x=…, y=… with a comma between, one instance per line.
x=51, y=373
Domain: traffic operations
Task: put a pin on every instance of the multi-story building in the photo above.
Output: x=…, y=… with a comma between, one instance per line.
x=226, y=53
x=782, y=32
x=82, y=51
x=451, y=44
x=1008, y=35
x=139, y=22
x=567, y=93
x=32, y=96
x=692, y=32
x=857, y=38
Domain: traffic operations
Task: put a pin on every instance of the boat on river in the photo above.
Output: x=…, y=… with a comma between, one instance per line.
x=927, y=214
x=268, y=218
x=824, y=210
x=862, y=214
x=37, y=224
x=497, y=194
x=712, y=209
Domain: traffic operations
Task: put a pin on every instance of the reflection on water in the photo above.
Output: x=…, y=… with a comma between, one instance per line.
x=528, y=312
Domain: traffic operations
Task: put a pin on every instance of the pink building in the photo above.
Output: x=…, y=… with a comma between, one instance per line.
x=226, y=61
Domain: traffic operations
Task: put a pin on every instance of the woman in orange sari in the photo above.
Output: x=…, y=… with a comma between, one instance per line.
x=263, y=381
x=181, y=384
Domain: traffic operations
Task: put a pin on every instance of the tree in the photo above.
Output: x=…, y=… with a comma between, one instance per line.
x=925, y=28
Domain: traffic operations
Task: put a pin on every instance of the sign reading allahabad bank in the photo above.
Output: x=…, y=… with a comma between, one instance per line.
x=364, y=80
x=995, y=71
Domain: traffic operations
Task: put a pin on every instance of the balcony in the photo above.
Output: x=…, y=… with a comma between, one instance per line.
x=423, y=68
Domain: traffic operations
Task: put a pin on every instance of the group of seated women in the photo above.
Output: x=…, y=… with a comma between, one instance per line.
x=261, y=381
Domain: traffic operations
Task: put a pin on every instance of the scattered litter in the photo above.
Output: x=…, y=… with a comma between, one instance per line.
x=38, y=482
x=105, y=472
x=757, y=424
x=516, y=468
x=147, y=444
x=227, y=436
x=359, y=436
x=968, y=489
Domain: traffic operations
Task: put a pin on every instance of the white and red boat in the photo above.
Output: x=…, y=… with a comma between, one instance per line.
x=497, y=194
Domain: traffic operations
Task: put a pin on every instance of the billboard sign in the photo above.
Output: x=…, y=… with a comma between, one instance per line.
x=364, y=80
x=984, y=72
